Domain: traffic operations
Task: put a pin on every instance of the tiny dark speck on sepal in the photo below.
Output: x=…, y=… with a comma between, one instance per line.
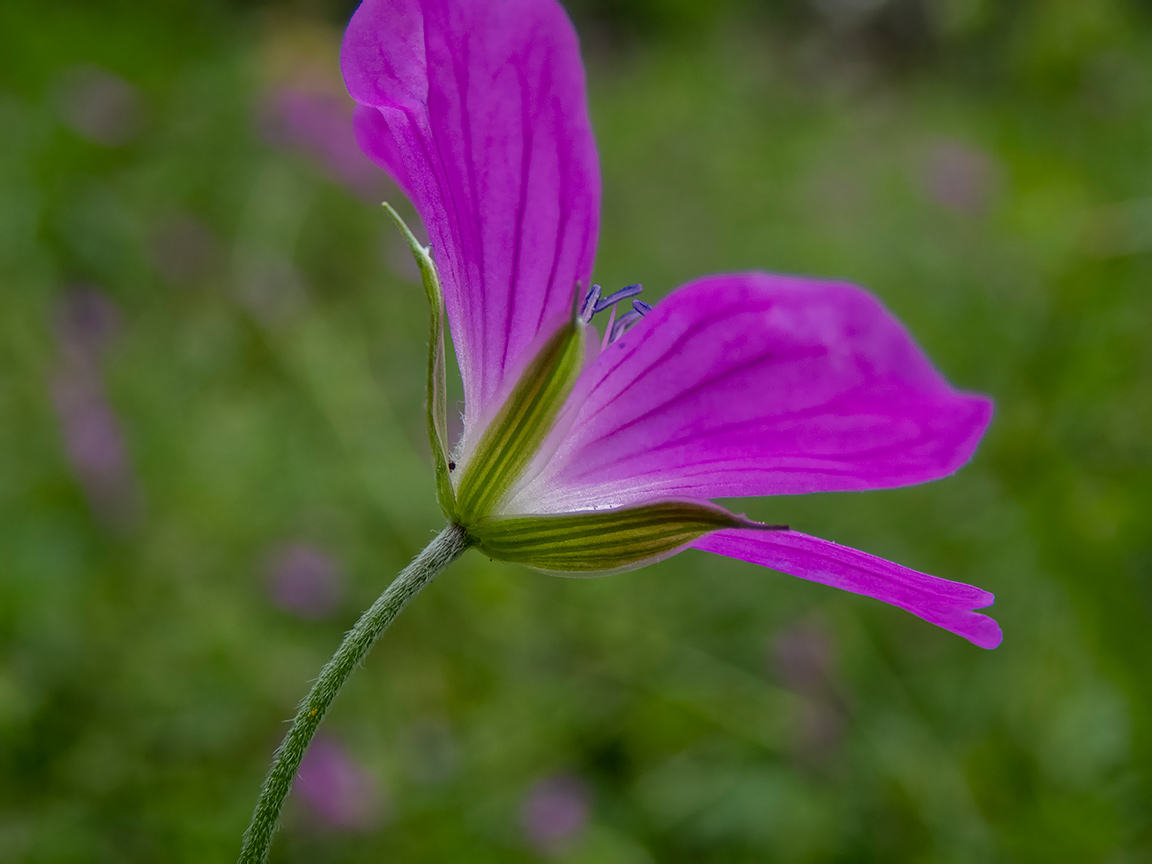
x=451, y=466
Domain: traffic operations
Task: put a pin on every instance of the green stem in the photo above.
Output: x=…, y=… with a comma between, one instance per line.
x=446, y=548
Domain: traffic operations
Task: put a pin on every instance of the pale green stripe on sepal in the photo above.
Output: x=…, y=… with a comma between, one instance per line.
x=437, y=384
x=515, y=434
x=601, y=541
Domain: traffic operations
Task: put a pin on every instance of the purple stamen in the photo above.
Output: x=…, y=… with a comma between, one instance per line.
x=612, y=299
x=622, y=324
x=589, y=307
x=595, y=302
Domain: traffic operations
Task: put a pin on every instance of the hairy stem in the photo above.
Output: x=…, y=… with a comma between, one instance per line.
x=446, y=548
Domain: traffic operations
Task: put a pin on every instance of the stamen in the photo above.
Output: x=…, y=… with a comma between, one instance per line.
x=595, y=302
x=612, y=299
x=588, y=307
x=623, y=323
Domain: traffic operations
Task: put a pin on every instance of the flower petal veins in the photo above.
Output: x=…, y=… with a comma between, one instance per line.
x=757, y=384
x=477, y=109
x=734, y=385
x=944, y=603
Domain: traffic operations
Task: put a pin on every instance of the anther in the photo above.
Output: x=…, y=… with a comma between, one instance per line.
x=614, y=298
x=595, y=302
x=589, y=307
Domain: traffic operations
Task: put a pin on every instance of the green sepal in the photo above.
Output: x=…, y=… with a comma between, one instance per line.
x=437, y=384
x=511, y=440
x=596, y=542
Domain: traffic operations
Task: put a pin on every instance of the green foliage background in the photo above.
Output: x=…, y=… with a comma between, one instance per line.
x=984, y=167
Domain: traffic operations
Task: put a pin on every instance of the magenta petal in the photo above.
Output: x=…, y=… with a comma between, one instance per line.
x=478, y=110
x=757, y=384
x=938, y=601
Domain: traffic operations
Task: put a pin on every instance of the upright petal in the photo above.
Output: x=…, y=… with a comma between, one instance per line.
x=758, y=385
x=938, y=601
x=478, y=110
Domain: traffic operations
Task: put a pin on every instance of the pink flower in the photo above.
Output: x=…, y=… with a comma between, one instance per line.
x=304, y=580
x=581, y=456
x=93, y=438
x=554, y=812
x=339, y=793
x=315, y=123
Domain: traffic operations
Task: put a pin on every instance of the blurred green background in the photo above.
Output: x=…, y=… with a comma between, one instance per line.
x=212, y=453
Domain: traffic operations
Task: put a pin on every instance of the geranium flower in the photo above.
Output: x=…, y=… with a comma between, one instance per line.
x=583, y=455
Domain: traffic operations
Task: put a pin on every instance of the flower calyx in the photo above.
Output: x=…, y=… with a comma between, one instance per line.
x=437, y=400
